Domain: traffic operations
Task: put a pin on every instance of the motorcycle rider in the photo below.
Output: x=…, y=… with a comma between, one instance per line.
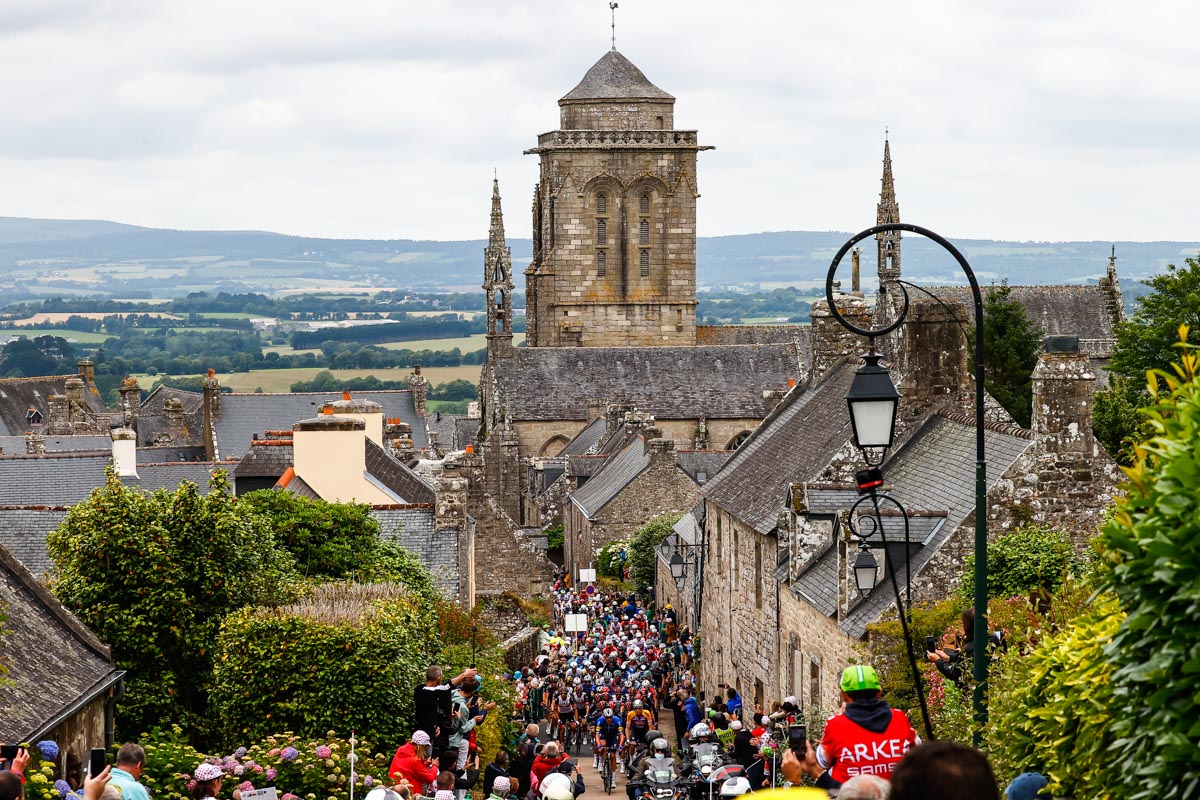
x=657, y=769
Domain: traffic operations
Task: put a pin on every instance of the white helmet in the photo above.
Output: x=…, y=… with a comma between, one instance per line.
x=734, y=787
x=556, y=786
x=637, y=703
x=699, y=731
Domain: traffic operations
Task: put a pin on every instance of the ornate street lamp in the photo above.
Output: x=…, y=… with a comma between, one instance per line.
x=873, y=402
x=868, y=427
x=677, y=568
x=866, y=570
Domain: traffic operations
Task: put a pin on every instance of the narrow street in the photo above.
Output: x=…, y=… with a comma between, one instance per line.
x=591, y=775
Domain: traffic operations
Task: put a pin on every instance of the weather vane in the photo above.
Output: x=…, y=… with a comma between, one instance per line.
x=612, y=7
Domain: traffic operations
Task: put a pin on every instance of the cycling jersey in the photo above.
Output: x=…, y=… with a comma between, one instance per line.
x=609, y=730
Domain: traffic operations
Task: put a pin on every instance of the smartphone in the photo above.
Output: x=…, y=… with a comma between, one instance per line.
x=930, y=644
x=96, y=761
x=798, y=739
x=8, y=752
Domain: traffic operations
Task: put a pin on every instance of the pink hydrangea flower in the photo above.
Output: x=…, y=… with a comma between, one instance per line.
x=274, y=751
x=272, y=774
x=246, y=786
x=323, y=751
x=258, y=768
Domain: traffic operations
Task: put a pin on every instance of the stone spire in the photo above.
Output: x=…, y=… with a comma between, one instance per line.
x=497, y=279
x=1114, y=302
x=887, y=211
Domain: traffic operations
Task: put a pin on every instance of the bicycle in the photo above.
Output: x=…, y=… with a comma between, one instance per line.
x=606, y=770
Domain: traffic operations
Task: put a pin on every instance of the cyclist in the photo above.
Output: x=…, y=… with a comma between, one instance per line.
x=563, y=709
x=609, y=738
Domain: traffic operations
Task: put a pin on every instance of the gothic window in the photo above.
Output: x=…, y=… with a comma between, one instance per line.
x=758, y=577
x=644, y=231
x=601, y=263
x=736, y=441
x=644, y=204
x=814, y=683
x=601, y=203
x=645, y=263
x=601, y=232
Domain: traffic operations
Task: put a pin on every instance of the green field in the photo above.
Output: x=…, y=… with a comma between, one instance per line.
x=281, y=380
x=83, y=337
x=467, y=344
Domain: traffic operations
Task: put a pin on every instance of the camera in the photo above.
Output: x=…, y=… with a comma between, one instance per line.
x=930, y=644
x=798, y=739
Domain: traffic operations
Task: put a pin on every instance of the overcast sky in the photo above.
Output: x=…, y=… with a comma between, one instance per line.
x=1020, y=119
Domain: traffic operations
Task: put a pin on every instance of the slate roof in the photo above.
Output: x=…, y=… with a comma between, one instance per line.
x=399, y=479
x=23, y=531
x=413, y=528
x=18, y=395
x=152, y=420
x=614, y=77
x=585, y=466
x=1058, y=310
x=245, y=414
x=297, y=486
x=66, y=479
x=586, y=439
x=265, y=459
x=617, y=473
x=792, y=445
x=819, y=583
x=668, y=382
x=465, y=429
x=15, y=445
x=935, y=470
x=53, y=660
x=706, y=462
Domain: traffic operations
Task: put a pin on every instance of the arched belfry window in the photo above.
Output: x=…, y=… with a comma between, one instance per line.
x=644, y=204
x=601, y=263
x=644, y=263
x=601, y=232
x=644, y=231
x=601, y=203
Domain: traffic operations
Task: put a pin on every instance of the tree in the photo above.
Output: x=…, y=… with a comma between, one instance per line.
x=154, y=575
x=1117, y=421
x=1149, y=341
x=1011, y=344
x=643, y=559
x=1025, y=561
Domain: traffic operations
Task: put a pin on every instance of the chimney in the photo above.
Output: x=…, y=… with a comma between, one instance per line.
x=596, y=407
x=75, y=390
x=661, y=452
x=931, y=356
x=329, y=453
x=212, y=413
x=399, y=436
x=131, y=398
x=651, y=433
x=1063, y=385
x=60, y=422
x=370, y=412
x=35, y=443
x=418, y=384
x=124, y=452
x=772, y=398
x=173, y=411
x=87, y=371
x=831, y=341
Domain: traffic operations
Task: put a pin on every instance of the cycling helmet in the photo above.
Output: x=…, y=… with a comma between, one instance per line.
x=734, y=787
x=517, y=675
x=556, y=786
x=637, y=703
x=608, y=712
x=661, y=744
x=699, y=731
x=645, y=684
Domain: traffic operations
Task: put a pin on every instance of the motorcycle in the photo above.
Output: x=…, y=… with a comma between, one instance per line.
x=663, y=782
x=707, y=759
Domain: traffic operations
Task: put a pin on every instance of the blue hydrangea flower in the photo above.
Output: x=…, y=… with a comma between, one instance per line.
x=241, y=751
x=48, y=749
x=63, y=787
x=289, y=754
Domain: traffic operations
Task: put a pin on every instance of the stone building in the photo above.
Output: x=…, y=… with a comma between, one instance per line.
x=779, y=610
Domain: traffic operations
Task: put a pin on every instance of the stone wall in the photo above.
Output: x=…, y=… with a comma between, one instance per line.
x=521, y=648
x=77, y=735
x=501, y=613
x=812, y=653
x=713, y=335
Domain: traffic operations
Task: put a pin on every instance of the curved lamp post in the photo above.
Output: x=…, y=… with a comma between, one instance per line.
x=870, y=413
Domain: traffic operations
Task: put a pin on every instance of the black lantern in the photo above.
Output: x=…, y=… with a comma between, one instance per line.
x=866, y=571
x=677, y=567
x=873, y=402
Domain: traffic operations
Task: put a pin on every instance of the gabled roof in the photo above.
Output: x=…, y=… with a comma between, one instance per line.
x=617, y=473
x=586, y=439
x=18, y=395
x=702, y=465
x=396, y=477
x=614, y=77
x=465, y=429
x=265, y=459
x=935, y=471
x=245, y=414
x=793, y=445
x=23, y=530
x=668, y=382
x=65, y=479
x=1058, y=310
x=53, y=660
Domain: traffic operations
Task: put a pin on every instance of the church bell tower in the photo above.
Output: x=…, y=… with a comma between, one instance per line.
x=888, y=244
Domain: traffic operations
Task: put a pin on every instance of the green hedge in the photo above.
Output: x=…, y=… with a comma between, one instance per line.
x=345, y=658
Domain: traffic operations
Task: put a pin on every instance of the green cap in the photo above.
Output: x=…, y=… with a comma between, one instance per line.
x=859, y=678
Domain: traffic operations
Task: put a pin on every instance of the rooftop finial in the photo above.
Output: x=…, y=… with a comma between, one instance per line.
x=612, y=8
x=1112, y=259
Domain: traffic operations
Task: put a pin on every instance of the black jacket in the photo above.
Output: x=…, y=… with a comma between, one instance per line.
x=490, y=773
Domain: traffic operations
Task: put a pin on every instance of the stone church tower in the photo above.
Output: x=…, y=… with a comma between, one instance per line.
x=614, y=218
x=887, y=211
x=497, y=280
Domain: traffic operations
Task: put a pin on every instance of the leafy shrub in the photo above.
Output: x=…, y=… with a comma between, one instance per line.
x=1052, y=709
x=345, y=658
x=1030, y=559
x=554, y=537
x=887, y=648
x=610, y=563
x=1152, y=543
x=154, y=575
